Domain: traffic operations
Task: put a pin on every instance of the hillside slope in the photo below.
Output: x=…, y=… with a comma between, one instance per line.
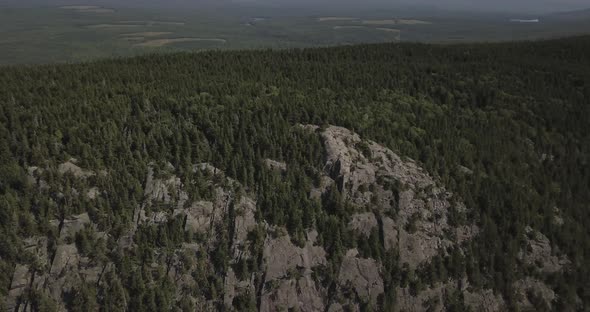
x=376, y=177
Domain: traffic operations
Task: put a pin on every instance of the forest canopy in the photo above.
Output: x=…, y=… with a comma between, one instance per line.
x=504, y=126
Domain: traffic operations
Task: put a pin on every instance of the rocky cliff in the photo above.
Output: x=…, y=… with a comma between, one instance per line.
x=393, y=202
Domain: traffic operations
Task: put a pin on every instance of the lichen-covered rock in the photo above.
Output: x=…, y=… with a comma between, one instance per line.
x=74, y=224
x=538, y=252
x=34, y=178
x=234, y=287
x=484, y=300
x=288, y=275
x=281, y=257
x=244, y=222
x=369, y=174
x=93, y=192
x=390, y=233
x=530, y=292
x=199, y=216
x=363, y=275
x=325, y=183
x=433, y=298
x=300, y=293
x=275, y=165
x=430, y=299
x=21, y=279
x=160, y=189
x=363, y=223
x=71, y=168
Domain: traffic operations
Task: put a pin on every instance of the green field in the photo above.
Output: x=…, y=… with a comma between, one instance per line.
x=74, y=34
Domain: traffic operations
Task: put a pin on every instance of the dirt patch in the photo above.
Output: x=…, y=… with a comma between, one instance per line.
x=336, y=19
x=162, y=42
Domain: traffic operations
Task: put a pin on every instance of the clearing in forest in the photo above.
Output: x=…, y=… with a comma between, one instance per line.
x=389, y=30
x=349, y=27
x=162, y=42
x=87, y=8
x=111, y=26
x=396, y=22
x=152, y=23
x=133, y=39
x=336, y=19
x=147, y=34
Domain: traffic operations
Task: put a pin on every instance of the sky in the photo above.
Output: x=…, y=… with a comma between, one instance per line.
x=528, y=6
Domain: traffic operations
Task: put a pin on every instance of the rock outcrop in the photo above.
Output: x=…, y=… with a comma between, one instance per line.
x=71, y=168
x=394, y=204
x=538, y=253
x=288, y=280
x=369, y=174
x=362, y=275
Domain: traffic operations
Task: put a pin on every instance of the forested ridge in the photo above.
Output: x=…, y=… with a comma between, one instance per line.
x=503, y=126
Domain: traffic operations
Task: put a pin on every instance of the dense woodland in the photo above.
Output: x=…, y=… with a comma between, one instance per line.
x=515, y=114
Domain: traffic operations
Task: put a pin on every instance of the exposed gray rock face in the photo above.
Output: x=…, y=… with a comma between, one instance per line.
x=530, y=289
x=484, y=300
x=310, y=128
x=34, y=177
x=301, y=293
x=369, y=174
x=363, y=275
x=93, y=192
x=244, y=222
x=389, y=195
x=200, y=216
x=288, y=275
x=390, y=233
x=71, y=167
x=21, y=279
x=234, y=287
x=281, y=257
x=325, y=183
x=538, y=252
x=275, y=165
x=162, y=189
x=64, y=272
x=363, y=223
x=433, y=298
x=72, y=225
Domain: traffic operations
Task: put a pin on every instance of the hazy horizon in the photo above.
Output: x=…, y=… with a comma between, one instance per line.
x=521, y=6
